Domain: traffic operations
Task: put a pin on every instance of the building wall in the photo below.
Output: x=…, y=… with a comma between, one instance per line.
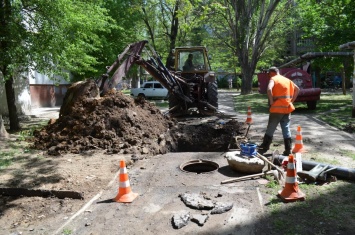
x=43, y=95
x=23, y=99
x=34, y=90
x=46, y=92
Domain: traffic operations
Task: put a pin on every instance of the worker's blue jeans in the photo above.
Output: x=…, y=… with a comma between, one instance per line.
x=274, y=120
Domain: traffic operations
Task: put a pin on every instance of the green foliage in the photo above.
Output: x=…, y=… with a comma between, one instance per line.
x=323, y=205
x=125, y=28
x=249, y=33
x=272, y=182
x=67, y=231
x=6, y=158
x=330, y=24
x=51, y=36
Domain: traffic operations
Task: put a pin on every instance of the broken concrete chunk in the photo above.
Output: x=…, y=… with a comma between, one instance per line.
x=221, y=207
x=199, y=219
x=180, y=220
x=196, y=201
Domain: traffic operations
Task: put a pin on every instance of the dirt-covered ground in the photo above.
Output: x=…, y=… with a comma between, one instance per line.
x=77, y=154
x=79, y=151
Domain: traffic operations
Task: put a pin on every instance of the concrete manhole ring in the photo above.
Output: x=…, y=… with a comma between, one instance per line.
x=199, y=166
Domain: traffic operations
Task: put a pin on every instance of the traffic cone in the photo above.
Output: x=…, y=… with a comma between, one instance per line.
x=298, y=143
x=125, y=193
x=249, y=119
x=291, y=192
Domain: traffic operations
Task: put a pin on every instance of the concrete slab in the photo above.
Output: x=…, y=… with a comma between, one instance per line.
x=159, y=182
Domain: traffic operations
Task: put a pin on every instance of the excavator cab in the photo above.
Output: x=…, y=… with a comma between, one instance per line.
x=200, y=84
x=191, y=89
x=191, y=60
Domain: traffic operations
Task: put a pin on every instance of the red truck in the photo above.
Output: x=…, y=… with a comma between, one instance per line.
x=301, y=78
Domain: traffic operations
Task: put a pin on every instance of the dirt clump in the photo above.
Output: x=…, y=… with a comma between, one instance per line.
x=114, y=122
x=117, y=123
x=209, y=134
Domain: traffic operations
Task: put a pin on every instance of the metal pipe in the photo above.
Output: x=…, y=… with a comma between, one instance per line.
x=312, y=55
x=341, y=172
x=349, y=45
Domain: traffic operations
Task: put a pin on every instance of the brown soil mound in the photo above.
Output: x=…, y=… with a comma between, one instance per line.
x=115, y=122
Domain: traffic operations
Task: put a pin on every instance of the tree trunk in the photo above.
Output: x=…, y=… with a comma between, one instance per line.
x=174, y=28
x=247, y=80
x=11, y=104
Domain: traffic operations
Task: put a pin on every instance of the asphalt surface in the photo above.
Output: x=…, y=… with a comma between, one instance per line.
x=159, y=181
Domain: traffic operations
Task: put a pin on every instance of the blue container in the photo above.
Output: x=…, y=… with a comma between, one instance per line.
x=248, y=149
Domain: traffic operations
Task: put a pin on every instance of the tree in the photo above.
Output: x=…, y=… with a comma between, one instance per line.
x=50, y=37
x=172, y=23
x=249, y=29
x=126, y=27
x=330, y=23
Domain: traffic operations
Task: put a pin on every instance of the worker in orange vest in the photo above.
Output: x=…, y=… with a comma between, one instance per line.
x=281, y=92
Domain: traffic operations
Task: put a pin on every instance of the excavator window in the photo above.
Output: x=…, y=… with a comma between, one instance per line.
x=191, y=61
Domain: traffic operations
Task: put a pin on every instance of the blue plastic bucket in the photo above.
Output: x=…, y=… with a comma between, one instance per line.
x=248, y=149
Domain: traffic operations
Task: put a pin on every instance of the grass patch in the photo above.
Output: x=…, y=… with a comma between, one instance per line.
x=161, y=104
x=67, y=231
x=328, y=161
x=126, y=91
x=257, y=102
x=272, y=182
x=348, y=153
x=6, y=158
x=324, y=204
x=339, y=118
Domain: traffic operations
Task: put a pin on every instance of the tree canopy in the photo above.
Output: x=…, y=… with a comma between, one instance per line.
x=329, y=23
x=50, y=37
x=248, y=29
x=84, y=36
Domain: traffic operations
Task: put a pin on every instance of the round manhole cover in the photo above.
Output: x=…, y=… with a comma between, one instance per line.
x=199, y=166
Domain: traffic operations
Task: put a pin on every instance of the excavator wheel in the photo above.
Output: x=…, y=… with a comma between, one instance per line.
x=175, y=106
x=312, y=105
x=212, y=93
x=173, y=101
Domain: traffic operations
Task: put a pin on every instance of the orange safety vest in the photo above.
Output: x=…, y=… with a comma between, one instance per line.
x=282, y=94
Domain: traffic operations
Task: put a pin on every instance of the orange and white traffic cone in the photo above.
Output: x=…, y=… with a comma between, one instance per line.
x=125, y=193
x=249, y=119
x=298, y=143
x=291, y=192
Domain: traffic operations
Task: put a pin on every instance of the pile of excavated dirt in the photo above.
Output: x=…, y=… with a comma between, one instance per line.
x=114, y=122
x=119, y=124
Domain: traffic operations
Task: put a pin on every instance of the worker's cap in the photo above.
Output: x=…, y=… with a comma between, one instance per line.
x=273, y=69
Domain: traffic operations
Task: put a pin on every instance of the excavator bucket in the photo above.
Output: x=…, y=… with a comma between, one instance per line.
x=121, y=66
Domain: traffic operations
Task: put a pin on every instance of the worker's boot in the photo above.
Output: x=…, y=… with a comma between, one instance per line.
x=264, y=147
x=288, y=146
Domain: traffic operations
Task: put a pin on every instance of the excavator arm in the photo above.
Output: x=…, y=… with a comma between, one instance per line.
x=152, y=64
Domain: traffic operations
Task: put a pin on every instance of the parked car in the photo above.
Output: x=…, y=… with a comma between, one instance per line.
x=150, y=90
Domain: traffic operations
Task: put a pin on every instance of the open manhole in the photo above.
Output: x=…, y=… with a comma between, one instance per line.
x=199, y=166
